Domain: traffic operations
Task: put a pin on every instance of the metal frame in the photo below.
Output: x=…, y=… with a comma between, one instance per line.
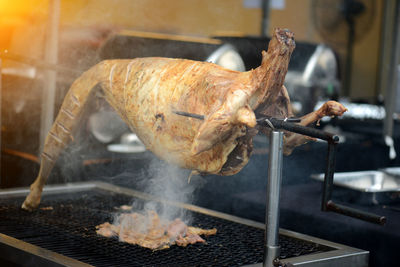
x=342, y=254
x=327, y=203
x=24, y=254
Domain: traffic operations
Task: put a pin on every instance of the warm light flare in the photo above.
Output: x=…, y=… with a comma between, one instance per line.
x=22, y=7
x=19, y=14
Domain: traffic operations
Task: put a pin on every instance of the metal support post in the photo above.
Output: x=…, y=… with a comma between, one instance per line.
x=272, y=248
x=1, y=99
x=390, y=67
x=49, y=89
x=265, y=5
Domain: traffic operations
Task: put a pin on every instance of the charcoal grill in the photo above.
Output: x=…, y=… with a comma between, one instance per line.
x=64, y=235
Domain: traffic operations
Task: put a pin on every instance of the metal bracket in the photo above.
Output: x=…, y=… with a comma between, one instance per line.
x=327, y=203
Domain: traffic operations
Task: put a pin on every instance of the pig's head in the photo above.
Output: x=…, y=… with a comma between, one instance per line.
x=249, y=90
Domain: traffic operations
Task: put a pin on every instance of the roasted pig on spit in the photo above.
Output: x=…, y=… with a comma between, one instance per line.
x=150, y=231
x=148, y=92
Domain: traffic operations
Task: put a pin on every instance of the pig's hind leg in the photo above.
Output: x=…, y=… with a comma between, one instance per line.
x=62, y=130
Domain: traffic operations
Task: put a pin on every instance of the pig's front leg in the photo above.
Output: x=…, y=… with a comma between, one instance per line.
x=330, y=108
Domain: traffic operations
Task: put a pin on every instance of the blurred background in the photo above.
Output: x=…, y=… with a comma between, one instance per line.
x=345, y=50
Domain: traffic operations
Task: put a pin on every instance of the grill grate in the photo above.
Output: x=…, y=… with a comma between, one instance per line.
x=69, y=229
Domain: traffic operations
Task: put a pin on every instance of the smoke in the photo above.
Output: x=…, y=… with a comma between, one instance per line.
x=167, y=183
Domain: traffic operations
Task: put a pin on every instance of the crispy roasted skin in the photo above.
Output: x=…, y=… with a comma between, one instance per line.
x=146, y=91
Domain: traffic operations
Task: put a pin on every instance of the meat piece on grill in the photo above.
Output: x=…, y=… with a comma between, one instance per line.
x=150, y=231
x=147, y=92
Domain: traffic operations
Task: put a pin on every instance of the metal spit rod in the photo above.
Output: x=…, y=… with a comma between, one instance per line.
x=274, y=180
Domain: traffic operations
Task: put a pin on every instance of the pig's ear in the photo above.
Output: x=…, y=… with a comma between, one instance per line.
x=212, y=131
x=219, y=125
x=246, y=116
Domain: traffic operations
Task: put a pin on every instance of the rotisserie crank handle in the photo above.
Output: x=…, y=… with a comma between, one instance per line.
x=327, y=203
x=351, y=212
